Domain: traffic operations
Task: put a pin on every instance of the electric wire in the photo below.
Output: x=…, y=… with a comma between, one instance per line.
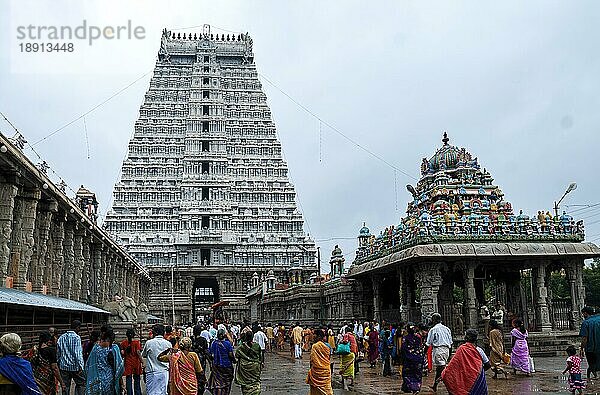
x=330, y=126
x=92, y=109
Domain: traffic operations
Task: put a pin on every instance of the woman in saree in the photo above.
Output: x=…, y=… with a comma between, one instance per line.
x=465, y=373
x=347, y=367
x=44, y=364
x=411, y=355
x=386, y=345
x=319, y=374
x=307, y=337
x=184, y=368
x=496, y=349
x=249, y=365
x=330, y=336
x=373, y=342
x=105, y=367
x=221, y=372
x=131, y=350
x=280, y=337
x=16, y=373
x=519, y=357
x=200, y=347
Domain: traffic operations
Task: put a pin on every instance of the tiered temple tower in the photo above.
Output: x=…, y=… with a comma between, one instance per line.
x=204, y=199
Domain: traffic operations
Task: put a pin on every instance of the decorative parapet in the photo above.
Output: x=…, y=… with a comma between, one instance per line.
x=480, y=250
x=379, y=250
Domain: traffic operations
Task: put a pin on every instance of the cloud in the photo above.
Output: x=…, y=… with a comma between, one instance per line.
x=515, y=83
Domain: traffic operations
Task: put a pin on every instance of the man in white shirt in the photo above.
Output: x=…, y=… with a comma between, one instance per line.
x=360, y=331
x=440, y=339
x=189, y=330
x=205, y=334
x=157, y=373
x=484, y=313
x=498, y=314
x=235, y=332
x=260, y=338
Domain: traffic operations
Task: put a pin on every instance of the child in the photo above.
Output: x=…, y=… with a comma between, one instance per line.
x=574, y=369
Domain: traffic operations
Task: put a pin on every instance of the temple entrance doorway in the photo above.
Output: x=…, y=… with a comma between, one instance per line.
x=205, y=294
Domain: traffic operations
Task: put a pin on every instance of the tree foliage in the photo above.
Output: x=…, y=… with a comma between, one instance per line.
x=591, y=281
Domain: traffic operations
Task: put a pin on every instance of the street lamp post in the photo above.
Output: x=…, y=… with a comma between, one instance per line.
x=572, y=186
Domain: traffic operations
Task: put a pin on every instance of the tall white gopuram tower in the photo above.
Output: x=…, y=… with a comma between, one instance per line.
x=204, y=199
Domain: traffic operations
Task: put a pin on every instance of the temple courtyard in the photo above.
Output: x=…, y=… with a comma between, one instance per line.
x=284, y=375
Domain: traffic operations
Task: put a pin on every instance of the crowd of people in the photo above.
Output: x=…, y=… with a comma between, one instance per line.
x=214, y=357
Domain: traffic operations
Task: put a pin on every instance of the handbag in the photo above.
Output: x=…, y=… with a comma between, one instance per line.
x=506, y=359
x=343, y=349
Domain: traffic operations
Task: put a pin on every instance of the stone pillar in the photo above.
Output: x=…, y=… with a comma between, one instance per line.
x=470, y=298
x=120, y=277
x=137, y=289
x=574, y=270
x=95, y=291
x=514, y=303
x=412, y=313
x=69, y=259
x=402, y=295
x=540, y=291
x=103, y=280
x=42, y=259
x=78, y=263
x=16, y=239
x=376, y=282
x=111, y=277
x=101, y=275
x=131, y=282
x=87, y=269
x=428, y=281
x=58, y=235
x=30, y=202
x=7, y=205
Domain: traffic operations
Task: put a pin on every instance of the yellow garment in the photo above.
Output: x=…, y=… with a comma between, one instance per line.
x=4, y=380
x=319, y=374
x=331, y=341
x=297, y=335
x=496, y=346
x=270, y=333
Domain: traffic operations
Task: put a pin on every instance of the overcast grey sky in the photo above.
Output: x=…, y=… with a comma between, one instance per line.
x=516, y=83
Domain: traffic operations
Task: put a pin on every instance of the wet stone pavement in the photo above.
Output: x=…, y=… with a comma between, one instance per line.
x=284, y=375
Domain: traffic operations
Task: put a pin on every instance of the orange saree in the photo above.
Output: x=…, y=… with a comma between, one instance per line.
x=182, y=369
x=319, y=374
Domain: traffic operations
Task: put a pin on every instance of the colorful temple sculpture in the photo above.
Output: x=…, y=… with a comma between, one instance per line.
x=461, y=245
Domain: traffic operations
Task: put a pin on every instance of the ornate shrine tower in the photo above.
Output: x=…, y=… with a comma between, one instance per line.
x=204, y=200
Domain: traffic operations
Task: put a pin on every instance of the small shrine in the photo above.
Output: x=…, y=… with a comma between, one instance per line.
x=336, y=262
x=87, y=202
x=461, y=233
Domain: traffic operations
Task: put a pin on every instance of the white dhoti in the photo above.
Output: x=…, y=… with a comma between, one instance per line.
x=156, y=382
x=440, y=355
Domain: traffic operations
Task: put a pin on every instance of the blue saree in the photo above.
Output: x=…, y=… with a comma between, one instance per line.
x=103, y=377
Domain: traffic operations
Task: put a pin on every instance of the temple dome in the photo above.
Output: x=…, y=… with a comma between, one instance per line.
x=447, y=157
x=364, y=231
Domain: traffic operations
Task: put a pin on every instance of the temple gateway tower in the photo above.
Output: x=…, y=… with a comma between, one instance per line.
x=204, y=200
